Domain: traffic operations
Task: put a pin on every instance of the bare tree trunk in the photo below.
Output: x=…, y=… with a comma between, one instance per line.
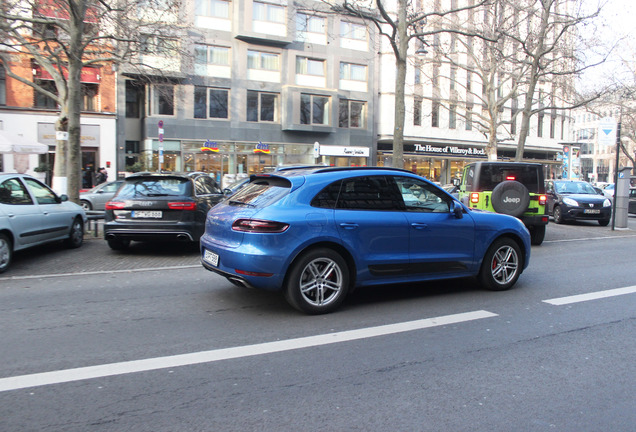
x=59, y=167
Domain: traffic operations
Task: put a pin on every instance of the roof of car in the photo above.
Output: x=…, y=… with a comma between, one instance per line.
x=166, y=174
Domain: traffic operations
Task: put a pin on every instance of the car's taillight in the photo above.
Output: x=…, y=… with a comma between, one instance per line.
x=542, y=199
x=182, y=205
x=259, y=226
x=474, y=197
x=115, y=205
x=511, y=178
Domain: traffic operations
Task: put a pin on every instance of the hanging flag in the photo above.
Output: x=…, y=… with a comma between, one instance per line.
x=210, y=146
x=261, y=148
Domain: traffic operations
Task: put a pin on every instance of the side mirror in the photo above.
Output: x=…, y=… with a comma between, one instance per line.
x=227, y=191
x=63, y=197
x=457, y=209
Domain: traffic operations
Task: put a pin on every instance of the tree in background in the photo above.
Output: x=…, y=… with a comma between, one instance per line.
x=63, y=37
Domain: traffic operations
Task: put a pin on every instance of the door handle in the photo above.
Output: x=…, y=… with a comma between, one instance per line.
x=419, y=225
x=349, y=225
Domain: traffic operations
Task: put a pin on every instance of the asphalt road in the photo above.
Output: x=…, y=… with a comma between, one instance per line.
x=147, y=340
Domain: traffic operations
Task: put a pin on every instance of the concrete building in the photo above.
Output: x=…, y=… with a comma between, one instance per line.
x=260, y=84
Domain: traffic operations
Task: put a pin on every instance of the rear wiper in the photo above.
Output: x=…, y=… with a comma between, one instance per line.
x=242, y=203
x=157, y=194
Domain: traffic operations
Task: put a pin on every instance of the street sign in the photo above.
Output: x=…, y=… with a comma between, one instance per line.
x=607, y=132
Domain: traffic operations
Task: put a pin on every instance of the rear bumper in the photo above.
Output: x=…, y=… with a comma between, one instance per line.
x=535, y=220
x=180, y=232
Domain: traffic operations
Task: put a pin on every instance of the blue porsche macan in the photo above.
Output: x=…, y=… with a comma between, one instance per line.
x=318, y=233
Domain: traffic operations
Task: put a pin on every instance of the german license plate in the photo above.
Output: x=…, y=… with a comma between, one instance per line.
x=211, y=257
x=592, y=211
x=148, y=214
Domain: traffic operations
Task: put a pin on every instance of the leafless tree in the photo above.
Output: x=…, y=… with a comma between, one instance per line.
x=64, y=36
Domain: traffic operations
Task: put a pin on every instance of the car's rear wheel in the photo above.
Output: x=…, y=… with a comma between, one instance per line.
x=6, y=252
x=537, y=234
x=501, y=266
x=76, y=236
x=603, y=222
x=118, y=244
x=86, y=205
x=318, y=281
x=557, y=214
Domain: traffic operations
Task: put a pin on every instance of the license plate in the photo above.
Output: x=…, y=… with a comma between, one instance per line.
x=592, y=211
x=149, y=214
x=211, y=258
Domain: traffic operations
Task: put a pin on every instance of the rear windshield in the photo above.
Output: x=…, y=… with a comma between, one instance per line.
x=491, y=175
x=154, y=187
x=261, y=192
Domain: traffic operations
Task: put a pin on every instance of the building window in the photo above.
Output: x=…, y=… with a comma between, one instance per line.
x=213, y=8
x=314, y=109
x=452, y=116
x=453, y=77
x=133, y=93
x=353, y=72
x=268, y=12
x=540, y=125
x=211, y=103
x=262, y=107
x=435, y=114
x=262, y=60
x=308, y=66
x=350, y=114
x=353, y=31
x=309, y=24
x=156, y=45
x=89, y=94
x=162, y=100
x=42, y=100
x=3, y=87
x=215, y=55
x=553, y=116
x=417, y=111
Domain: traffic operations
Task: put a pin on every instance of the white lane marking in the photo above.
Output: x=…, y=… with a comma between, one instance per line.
x=99, y=371
x=100, y=272
x=591, y=296
x=588, y=238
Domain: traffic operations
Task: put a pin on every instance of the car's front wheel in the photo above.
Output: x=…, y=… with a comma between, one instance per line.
x=76, y=236
x=118, y=244
x=501, y=266
x=6, y=252
x=557, y=214
x=86, y=205
x=318, y=281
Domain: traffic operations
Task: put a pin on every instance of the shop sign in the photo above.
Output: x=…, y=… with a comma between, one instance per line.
x=450, y=150
x=327, y=150
x=261, y=148
x=210, y=146
x=88, y=74
x=90, y=136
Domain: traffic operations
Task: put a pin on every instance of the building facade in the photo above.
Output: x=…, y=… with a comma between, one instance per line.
x=256, y=85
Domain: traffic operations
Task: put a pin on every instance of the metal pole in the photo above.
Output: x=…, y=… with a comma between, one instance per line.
x=618, y=149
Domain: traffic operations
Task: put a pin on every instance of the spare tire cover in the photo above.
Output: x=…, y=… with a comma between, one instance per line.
x=511, y=198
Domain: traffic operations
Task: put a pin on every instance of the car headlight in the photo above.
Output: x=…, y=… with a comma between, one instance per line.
x=607, y=203
x=570, y=202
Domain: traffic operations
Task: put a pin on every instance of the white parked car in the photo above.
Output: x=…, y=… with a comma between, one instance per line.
x=32, y=214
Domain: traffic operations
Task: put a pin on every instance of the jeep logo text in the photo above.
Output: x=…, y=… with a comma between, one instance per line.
x=512, y=200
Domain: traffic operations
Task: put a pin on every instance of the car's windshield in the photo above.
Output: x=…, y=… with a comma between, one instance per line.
x=567, y=187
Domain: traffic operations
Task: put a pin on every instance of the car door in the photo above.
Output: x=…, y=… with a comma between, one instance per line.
x=56, y=219
x=370, y=222
x=439, y=242
x=23, y=214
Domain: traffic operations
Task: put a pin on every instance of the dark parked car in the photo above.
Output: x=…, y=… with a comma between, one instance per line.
x=160, y=206
x=96, y=198
x=632, y=201
x=32, y=214
x=577, y=200
x=317, y=233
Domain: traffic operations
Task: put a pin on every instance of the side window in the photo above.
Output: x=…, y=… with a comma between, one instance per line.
x=204, y=185
x=468, y=178
x=422, y=197
x=13, y=192
x=112, y=187
x=327, y=197
x=43, y=194
x=368, y=193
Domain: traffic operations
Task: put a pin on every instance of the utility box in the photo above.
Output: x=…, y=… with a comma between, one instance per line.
x=621, y=195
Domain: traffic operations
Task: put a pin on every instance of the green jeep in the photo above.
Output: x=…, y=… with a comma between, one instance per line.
x=512, y=188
